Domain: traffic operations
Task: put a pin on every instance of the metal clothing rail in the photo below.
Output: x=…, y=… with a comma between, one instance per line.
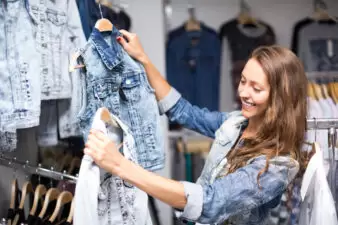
x=322, y=124
x=330, y=75
x=27, y=168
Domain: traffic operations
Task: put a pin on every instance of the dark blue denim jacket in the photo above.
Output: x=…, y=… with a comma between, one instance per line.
x=217, y=197
x=193, y=65
x=115, y=81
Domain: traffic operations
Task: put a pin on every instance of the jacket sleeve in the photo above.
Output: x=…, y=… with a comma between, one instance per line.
x=192, y=117
x=235, y=193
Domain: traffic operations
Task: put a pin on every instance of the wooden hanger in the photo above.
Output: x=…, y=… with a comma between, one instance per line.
x=103, y=24
x=310, y=91
x=71, y=212
x=14, y=193
x=317, y=91
x=192, y=24
x=64, y=198
x=106, y=117
x=14, y=197
x=332, y=92
x=26, y=189
x=324, y=90
x=335, y=88
x=51, y=195
x=75, y=163
x=105, y=3
x=244, y=17
x=39, y=192
x=320, y=12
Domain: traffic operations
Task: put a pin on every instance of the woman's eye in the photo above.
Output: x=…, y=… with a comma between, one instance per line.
x=257, y=90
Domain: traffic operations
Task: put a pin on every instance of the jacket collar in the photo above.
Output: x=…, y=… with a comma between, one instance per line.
x=111, y=55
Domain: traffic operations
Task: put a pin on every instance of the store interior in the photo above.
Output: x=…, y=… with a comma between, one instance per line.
x=55, y=162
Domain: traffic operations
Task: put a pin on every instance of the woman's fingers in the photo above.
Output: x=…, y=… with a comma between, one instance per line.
x=126, y=34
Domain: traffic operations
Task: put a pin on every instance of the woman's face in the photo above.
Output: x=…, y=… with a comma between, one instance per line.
x=253, y=90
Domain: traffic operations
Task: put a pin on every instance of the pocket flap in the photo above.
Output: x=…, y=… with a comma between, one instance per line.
x=131, y=81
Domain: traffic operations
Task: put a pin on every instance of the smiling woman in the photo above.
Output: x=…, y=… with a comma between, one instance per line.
x=256, y=152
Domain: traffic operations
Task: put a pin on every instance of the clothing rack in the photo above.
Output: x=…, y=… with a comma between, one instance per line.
x=329, y=75
x=27, y=168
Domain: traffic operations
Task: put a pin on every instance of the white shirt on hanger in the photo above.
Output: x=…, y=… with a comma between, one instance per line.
x=317, y=206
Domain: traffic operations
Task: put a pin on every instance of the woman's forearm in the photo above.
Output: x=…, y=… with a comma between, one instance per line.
x=166, y=190
x=156, y=80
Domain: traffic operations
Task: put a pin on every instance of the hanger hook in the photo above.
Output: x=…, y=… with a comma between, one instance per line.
x=316, y=127
x=100, y=10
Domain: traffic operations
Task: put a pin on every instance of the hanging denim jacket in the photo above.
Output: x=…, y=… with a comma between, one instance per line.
x=57, y=27
x=235, y=198
x=100, y=197
x=19, y=86
x=114, y=80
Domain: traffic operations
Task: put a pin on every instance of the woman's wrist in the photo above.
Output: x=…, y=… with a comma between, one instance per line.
x=144, y=60
x=122, y=167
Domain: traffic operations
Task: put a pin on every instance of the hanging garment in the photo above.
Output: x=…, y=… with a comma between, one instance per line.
x=295, y=34
x=57, y=28
x=242, y=40
x=318, y=205
x=192, y=65
x=90, y=13
x=318, y=46
x=19, y=84
x=47, y=131
x=114, y=80
x=102, y=198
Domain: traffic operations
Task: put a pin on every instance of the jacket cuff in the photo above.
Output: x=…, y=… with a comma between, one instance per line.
x=168, y=101
x=193, y=209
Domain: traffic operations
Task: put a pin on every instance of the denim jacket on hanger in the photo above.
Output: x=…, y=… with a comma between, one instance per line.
x=57, y=27
x=102, y=198
x=19, y=86
x=116, y=81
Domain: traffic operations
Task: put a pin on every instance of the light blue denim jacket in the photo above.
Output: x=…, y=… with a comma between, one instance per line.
x=116, y=81
x=235, y=198
x=58, y=28
x=19, y=86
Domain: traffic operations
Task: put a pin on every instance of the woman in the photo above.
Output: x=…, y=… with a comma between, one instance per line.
x=256, y=152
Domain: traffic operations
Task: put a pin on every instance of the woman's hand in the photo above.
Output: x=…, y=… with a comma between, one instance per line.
x=133, y=46
x=104, y=152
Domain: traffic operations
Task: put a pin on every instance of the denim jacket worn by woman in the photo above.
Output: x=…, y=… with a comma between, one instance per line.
x=235, y=198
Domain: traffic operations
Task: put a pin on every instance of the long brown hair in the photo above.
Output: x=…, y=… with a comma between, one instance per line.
x=283, y=126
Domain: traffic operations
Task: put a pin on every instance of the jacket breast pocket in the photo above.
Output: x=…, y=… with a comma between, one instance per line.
x=130, y=89
x=56, y=18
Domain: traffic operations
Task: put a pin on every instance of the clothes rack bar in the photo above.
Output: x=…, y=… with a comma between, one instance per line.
x=27, y=168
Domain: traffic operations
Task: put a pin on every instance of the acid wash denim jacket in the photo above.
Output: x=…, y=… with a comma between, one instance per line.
x=100, y=197
x=57, y=26
x=112, y=79
x=19, y=86
x=235, y=198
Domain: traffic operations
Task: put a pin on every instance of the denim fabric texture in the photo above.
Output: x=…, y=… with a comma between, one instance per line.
x=115, y=81
x=57, y=28
x=102, y=198
x=193, y=64
x=235, y=198
x=20, y=86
